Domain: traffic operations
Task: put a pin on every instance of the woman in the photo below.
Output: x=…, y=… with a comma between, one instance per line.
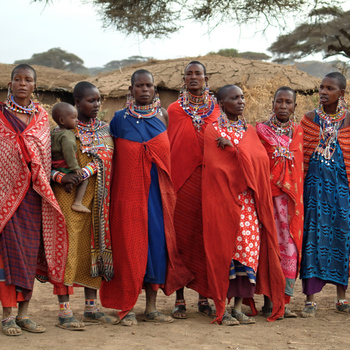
x=25, y=192
x=326, y=247
x=142, y=207
x=240, y=242
x=283, y=141
x=188, y=118
x=89, y=256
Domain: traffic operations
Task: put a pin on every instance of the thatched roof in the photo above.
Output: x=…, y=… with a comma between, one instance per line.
x=48, y=79
x=221, y=71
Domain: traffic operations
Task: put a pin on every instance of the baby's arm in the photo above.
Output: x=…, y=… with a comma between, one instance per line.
x=69, y=150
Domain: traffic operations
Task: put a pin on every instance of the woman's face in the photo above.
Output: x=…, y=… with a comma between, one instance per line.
x=143, y=89
x=22, y=84
x=233, y=103
x=89, y=105
x=330, y=91
x=284, y=105
x=195, y=79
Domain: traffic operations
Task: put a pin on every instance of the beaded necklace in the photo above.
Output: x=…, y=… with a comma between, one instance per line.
x=13, y=106
x=237, y=127
x=143, y=112
x=329, y=126
x=197, y=107
x=335, y=118
x=282, y=129
x=87, y=134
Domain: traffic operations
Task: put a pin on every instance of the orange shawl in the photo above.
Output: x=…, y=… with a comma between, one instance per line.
x=186, y=153
x=131, y=181
x=226, y=174
x=287, y=177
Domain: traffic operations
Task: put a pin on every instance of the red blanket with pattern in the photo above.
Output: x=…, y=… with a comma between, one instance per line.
x=226, y=174
x=287, y=176
x=131, y=180
x=33, y=145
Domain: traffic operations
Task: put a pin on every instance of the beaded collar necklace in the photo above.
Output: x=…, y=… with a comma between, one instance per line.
x=88, y=136
x=333, y=118
x=144, y=112
x=197, y=107
x=13, y=106
x=238, y=127
x=329, y=126
x=282, y=129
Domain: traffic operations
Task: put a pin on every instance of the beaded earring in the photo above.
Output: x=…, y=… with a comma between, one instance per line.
x=342, y=103
x=184, y=94
x=130, y=100
x=206, y=93
x=8, y=92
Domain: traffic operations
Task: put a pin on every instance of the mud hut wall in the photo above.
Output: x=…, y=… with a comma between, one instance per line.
x=112, y=104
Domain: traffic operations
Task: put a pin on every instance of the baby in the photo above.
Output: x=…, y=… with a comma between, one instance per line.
x=64, y=148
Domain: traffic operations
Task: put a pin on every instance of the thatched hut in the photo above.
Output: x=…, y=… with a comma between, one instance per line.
x=221, y=71
x=258, y=80
x=52, y=84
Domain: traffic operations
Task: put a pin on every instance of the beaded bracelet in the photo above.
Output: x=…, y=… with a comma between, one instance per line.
x=57, y=176
x=89, y=170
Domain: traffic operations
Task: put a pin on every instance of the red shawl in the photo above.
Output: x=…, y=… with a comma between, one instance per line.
x=312, y=137
x=287, y=177
x=33, y=145
x=186, y=153
x=131, y=180
x=226, y=174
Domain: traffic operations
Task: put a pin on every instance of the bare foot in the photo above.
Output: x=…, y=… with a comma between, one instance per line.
x=80, y=208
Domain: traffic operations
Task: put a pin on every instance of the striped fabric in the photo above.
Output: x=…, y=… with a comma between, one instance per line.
x=312, y=137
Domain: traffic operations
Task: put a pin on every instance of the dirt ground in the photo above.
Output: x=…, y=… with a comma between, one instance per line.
x=328, y=330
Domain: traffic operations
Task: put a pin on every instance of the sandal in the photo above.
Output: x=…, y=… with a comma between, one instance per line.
x=309, y=309
x=129, y=320
x=342, y=307
x=288, y=313
x=70, y=324
x=241, y=317
x=228, y=320
x=9, y=327
x=156, y=316
x=179, y=310
x=98, y=317
x=205, y=309
x=28, y=325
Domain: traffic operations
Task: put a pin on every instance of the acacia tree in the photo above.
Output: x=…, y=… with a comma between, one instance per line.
x=327, y=31
x=56, y=58
x=160, y=18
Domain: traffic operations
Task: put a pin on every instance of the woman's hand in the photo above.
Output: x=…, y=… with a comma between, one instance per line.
x=222, y=142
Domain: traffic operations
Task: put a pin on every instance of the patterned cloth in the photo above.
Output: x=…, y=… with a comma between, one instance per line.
x=25, y=192
x=90, y=254
x=326, y=244
x=132, y=163
x=186, y=172
x=288, y=249
x=286, y=182
x=227, y=174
